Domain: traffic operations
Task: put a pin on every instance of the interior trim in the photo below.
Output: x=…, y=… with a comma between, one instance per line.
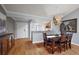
x=75, y=44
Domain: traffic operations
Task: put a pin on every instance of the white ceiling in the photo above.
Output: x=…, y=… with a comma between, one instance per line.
x=32, y=9
x=42, y=10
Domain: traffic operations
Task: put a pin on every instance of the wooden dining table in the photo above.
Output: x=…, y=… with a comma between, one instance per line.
x=53, y=38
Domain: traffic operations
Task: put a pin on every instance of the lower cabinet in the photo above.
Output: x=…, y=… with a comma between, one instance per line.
x=6, y=43
x=0, y=47
x=37, y=36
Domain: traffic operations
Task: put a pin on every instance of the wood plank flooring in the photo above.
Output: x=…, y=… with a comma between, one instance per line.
x=25, y=47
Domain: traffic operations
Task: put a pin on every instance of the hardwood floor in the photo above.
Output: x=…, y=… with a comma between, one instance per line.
x=25, y=47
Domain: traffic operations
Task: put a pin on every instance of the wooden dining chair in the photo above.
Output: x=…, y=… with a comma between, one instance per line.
x=62, y=42
x=68, y=43
x=52, y=42
x=47, y=42
x=56, y=45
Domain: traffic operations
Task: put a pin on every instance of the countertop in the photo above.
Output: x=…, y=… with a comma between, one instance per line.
x=4, y=34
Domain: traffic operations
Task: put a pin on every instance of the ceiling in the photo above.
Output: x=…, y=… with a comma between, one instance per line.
x=42, y=10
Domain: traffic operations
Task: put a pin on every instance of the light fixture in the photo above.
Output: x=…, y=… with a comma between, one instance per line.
x=57, y=20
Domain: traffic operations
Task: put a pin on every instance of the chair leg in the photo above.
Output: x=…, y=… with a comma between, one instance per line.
x=52, y=52
x=70, y=45
x=44, y=44
x=60, y=49
x=66, y=46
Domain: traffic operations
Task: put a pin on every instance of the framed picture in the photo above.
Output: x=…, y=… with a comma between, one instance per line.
x=71, y=25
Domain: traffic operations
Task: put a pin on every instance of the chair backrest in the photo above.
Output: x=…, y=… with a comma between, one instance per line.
x=69, y=37
x=63, y=32
x=44, y=36
x=63, y=38
x=62, y=28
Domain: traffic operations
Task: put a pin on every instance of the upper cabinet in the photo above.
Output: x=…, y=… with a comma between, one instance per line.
x=2, y=10
x=2, y=13
x=2, y=16
x=2, y=20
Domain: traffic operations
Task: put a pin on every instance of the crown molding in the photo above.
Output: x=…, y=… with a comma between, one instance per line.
x=4, y=7
x=69, y=12
x=25, y=15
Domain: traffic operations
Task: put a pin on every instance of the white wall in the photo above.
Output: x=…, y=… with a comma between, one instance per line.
x=21, y=30
x=74, y=14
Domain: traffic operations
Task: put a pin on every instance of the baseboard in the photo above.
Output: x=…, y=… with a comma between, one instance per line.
x=38, y=42
x=75, y=44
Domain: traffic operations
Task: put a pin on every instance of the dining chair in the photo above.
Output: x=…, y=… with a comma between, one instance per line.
x=68, y=42
x=56, y=44
x=62, y=42
x=47, y=42
x=51, y=43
